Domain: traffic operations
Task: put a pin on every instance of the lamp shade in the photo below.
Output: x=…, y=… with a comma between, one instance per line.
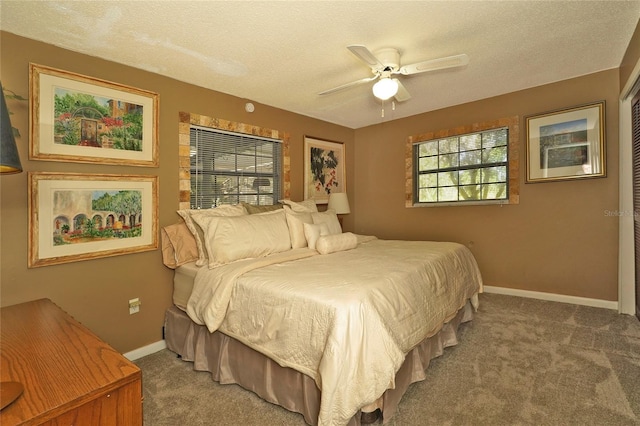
x=260, y=181
x=385, y=88
x=339, y=202
x=9, y=159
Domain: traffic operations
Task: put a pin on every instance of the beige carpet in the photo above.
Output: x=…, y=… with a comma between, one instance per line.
x=519, y=362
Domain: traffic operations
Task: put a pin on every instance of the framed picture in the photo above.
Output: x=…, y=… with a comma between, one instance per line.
x=324, y=169
x=566, y=144
x=75, y=217
x=86, y=120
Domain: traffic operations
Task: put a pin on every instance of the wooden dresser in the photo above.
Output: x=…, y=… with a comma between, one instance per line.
x=70, y=376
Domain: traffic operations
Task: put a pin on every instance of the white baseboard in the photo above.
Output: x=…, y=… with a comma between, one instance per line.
x=596, y=303
x=145, y=350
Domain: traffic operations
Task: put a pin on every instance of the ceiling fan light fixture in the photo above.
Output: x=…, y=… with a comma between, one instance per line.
x=385, y=88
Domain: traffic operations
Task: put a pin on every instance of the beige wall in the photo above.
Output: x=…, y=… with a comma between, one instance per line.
x=631, y=57
x=557, y=240
x=96, y=292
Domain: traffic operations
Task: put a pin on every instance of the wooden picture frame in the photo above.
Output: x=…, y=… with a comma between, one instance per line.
x=324, y=169
x=566, y=144
x=81, y=119
x=75, y=217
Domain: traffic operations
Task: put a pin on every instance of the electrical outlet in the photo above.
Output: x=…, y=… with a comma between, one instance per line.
x=134, y=306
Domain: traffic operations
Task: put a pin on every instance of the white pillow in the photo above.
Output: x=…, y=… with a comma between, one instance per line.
x=196, y=230
x=295, y=221
x=241, y=237
x=329, y=217
x=336, y=242
x=313, y=232
x=308, y=206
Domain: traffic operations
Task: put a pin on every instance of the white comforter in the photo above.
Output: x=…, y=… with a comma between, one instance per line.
x=346, y=319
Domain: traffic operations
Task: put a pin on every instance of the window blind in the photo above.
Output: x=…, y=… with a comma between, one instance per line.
x=228, y=167
x=635, y=123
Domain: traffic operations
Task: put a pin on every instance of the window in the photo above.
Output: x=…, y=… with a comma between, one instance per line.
x=471, y=167
x=473, y=164
x=228, y=167
x=187, y=120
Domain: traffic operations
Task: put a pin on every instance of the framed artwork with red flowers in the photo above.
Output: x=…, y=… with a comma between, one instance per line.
x=82, y=119
x=324, y=169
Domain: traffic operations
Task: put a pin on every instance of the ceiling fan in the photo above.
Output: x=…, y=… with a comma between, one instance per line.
x=386, y=63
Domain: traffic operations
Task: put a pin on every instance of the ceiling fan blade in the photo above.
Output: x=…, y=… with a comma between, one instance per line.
x=365, y=55
x=403, y=94
x=435, y=64
x=348, y=85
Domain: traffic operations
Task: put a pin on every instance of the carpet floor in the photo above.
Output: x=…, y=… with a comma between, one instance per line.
x=519, y=362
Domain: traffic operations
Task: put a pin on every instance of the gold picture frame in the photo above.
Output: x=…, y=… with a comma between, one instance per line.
x=76, y=118
x=74, y=217
x=566, y=144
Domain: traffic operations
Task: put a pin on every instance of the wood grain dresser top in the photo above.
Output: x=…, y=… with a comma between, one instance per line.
x=60, y=362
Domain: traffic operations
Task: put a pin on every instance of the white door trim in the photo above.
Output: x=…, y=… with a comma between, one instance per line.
x=626, y=257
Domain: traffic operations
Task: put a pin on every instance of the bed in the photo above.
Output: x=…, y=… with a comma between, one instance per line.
x=321, y=322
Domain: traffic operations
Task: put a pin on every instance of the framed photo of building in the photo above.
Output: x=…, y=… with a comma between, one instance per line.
x=324, y=169
x=75, y=217
x=87, y=120
x=566, y=144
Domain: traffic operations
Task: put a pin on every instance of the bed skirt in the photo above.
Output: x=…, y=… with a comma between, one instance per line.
x=230, y=361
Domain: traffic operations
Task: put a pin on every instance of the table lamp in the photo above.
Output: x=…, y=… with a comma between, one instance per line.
x=339, y=202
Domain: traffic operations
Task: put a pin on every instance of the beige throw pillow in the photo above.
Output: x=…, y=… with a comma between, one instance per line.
x=336, y=242
x=306, y=206
x=228, y=239
x=330, y=218
x=254, y=209
x=189, y=214
x=178, y=245
x=313, y=232
x=296, y=222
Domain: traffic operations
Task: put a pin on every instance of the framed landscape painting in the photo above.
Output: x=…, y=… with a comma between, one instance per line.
x=83, y=119
x=75, y=217
x=566, y=144
x=324, y=169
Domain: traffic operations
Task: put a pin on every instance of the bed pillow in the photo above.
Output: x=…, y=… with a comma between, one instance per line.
x=329, y=217
x=228, y=239
x=178, y=245
x=189, y=214
x=296, y=222
x=336, y=242
x=313, y=232
x=253, y=209
x=306, y=206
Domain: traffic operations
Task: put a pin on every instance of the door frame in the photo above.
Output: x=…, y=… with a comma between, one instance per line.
x=626, y=250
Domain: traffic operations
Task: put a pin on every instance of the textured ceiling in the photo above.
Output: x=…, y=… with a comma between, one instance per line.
x=283, y=53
